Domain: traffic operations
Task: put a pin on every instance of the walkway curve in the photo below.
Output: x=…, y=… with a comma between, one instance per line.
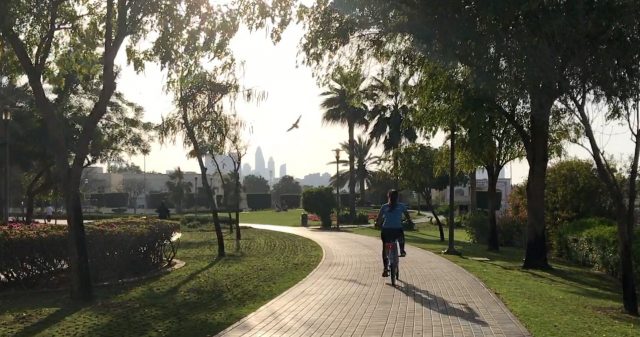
x=346, y=296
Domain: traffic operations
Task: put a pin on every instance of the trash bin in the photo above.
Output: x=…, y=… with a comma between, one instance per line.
x=304, y=219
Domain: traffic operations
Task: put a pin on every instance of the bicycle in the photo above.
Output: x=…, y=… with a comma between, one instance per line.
x=392, y=252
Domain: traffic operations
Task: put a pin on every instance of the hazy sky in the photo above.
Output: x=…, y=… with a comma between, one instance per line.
x=292, y=91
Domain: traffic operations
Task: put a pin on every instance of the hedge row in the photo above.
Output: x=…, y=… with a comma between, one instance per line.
x=594, y=242
x=34, y=256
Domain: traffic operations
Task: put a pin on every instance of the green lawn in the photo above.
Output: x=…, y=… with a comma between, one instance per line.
x=200, y=299
x=288, y=218
x=566, y=301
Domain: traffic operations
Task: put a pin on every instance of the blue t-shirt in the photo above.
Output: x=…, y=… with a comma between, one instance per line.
x=392, y=218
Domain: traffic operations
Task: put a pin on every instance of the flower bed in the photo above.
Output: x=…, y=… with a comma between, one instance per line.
x=36, y=255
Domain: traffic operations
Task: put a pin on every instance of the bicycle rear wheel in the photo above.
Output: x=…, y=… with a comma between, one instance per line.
x=394, y=273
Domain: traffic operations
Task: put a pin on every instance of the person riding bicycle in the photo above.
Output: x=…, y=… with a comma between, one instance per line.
x=390, y=219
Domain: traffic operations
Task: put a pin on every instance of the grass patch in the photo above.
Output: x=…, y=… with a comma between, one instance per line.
x=288, y=218
x=200, y=299
x=566, y=301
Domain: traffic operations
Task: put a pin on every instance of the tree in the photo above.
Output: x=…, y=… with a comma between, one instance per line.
x=575, y=191
x=418, y=172
x=255, y=184
x=536, y=49
x=320, y=201
x=56, y=43
x=178, y=188
x=286, y=185
x=126, y=167
x=364, y=160
x=586, y=107
x=394, y=106
x=381, y=182
x=344, y=103
x=135, y=187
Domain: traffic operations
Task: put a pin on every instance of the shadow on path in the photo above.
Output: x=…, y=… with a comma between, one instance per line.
x=440, y=305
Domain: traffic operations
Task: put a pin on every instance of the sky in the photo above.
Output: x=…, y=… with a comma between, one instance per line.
x=292, y=92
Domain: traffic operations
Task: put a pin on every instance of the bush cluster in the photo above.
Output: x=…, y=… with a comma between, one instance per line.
x=510, y=230
x=35, y=255
x=320, y=201
x=594, y=242
x=361, y=218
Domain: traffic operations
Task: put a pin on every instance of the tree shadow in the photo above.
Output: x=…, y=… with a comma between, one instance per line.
x=435, y=303
x=192, y=276
x=51, y=320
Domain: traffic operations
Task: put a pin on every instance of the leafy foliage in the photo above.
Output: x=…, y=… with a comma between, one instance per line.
x=593, y=242
x=287, y=185
x=35, y=255
x=255, y=184
x=320, y=201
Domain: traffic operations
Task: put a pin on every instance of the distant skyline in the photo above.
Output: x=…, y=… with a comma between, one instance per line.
x=292, y=91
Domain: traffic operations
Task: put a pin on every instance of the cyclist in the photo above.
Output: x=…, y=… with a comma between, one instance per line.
x=390, y=218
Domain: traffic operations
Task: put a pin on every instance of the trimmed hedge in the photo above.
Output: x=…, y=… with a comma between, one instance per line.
x=33, y=256
x=594, y=242
x=290, y=200
x=258, y=201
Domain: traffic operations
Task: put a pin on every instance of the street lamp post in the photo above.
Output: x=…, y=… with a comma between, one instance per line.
x=6, y=117
x=337, y=151
x=195, y=195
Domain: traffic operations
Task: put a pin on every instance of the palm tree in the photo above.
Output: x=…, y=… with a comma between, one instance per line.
x=344, y=104
x=178, y=188
x=392, y=113
x=364, y=160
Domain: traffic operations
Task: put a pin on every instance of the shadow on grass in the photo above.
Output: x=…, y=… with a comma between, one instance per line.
x=51, y=320
x=435, y=303
x=192, y=276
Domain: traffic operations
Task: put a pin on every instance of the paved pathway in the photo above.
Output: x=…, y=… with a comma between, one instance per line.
x=346, y=296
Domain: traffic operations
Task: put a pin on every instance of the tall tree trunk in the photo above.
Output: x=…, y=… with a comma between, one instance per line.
x=238, y=235
x=473, y=187
x=492, y=241
x=625, y=239
x=452, y=181
x=78, y=253
x=352, y=174
x=28, y=217
x=205, y=183
x=363, y=201
x=538, y=157
x=429, y=202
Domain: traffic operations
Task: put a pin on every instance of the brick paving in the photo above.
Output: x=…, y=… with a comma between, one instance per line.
x=346, y=296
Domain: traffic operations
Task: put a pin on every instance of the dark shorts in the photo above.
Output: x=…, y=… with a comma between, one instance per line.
x=391, y=234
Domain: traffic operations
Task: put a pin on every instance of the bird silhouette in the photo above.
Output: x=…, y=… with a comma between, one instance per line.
x=295, y=125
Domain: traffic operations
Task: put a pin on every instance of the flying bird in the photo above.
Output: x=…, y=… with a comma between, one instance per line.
x=295, y=125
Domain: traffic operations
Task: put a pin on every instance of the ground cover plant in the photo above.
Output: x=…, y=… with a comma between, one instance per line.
x=200, y=299
x=568, y=300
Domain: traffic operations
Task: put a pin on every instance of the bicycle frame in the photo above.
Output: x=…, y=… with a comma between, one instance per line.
x=392, y=253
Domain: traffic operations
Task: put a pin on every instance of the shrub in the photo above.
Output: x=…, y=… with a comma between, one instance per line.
x=257, y=201
x=569, y=231
x=319, y=201
x=34, y=255
x=510, y=230
x=360, y=219
x=476, y=224
x=594, y=242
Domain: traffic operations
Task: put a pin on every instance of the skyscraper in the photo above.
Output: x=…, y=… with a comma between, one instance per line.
x=271, y=165
x=283, y=170
x=261, y=170
x=246, y=169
